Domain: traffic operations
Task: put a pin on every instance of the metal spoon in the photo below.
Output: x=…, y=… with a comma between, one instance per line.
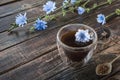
x=105, y=68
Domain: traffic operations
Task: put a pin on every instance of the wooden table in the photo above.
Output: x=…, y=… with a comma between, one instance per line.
x=34, y=56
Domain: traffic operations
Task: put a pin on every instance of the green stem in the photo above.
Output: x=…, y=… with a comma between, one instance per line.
x=60, y=13
x=86, y=3
x=110, y=15
x=99, y=5
x=78, y=2
x=13, y=26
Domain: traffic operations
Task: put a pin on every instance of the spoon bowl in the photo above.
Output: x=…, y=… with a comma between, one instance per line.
x=105, y=68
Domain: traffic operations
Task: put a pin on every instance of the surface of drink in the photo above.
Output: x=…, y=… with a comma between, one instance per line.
x=69, y=39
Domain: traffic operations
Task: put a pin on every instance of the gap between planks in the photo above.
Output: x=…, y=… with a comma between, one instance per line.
x=52, y=59
x=53, y=48
x=6, y=2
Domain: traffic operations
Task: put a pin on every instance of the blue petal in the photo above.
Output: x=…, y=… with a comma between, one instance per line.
x=40, y=24
x=21, y=20
x=49, y=7
x=101, y=19
x=81, y=10
x=82, y=36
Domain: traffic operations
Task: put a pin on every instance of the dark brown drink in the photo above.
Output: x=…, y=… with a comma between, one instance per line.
x=69, y=39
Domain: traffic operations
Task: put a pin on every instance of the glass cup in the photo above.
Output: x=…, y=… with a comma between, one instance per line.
x=75, y=56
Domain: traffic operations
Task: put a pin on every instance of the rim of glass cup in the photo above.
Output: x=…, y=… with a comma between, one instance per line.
x=77, y=48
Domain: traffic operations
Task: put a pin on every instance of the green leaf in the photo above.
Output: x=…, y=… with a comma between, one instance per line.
x=32, y=29
x=77, y=3
x=117, y=11
x=63, y=12
x=85, y=3
x=95, y=5
x=87, y=10
x=109, y=1
x=47, y=17
x=66, y=4
x=50, y=17
x=71, y=9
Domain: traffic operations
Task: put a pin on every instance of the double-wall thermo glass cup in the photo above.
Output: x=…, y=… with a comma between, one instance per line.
x=75, y=55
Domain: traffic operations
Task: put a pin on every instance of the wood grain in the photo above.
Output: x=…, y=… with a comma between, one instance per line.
x=10, y=13
x=35, y=53
x=34, y=56
x=57, y=70
x=38, y=47
x=8, y=41
x=35, y=68
x=85, y=72
x=4, y=2
x=42, y=39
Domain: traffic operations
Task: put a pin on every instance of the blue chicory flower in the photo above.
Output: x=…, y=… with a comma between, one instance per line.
x=40, y=24
x=49, y=7
x=101, y=19
x=82, y=36
x=81, y=10
x=73, y=1
x=64, y=3
x=21, y=20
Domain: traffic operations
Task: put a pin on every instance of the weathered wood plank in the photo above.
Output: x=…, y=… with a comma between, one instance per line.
x=41, y=71
x=3, y=2
x=8, y=41
x=91, y=66
x=35, y=68
x=10, y=59
x=25, y=47
x=84, y=73
x=16, y=7
x=115, y=77
x=51, y=64
x=40, y=45
x=34, y=52
x=113, y=49
x=76, y=77
x=22, y=6
x=20, y=36
x=19, y=8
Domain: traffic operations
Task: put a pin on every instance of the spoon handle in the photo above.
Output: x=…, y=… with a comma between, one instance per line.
x=115, y=59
